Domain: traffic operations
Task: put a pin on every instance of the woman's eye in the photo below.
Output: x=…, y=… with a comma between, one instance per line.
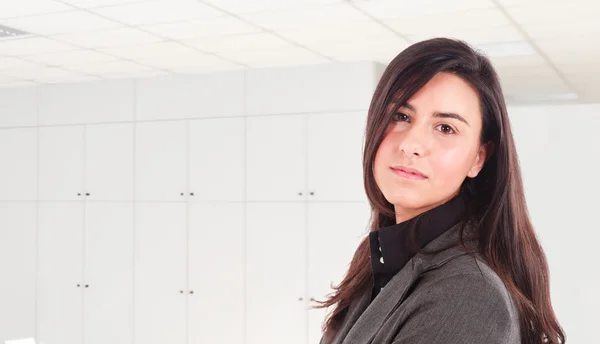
x=446, y=129
x=401, y=117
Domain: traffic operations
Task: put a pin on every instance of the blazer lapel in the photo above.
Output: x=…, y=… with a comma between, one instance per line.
x=364, y=329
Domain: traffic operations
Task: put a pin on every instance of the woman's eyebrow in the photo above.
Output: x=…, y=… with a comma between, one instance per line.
x=440, y=114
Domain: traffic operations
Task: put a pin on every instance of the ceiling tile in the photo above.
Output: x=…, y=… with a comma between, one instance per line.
x=99, y=3
x=44, y=73
x=11, y=9
x=114, y=68
x=245, y=7
x=484, y=35
x=246, y=42
x=264, y=56
x=439, y=24
x=572, y=29
x=506, y=49
x=189, y=61
x=220, y=26
x=5, y=79
x=158, y=11
x=32, y=45
x=338, y=33
x=572, y=45
x=335, y=14
x=62, y=22
x=554, y=11
x=15, y=63
x=18, y=84
x=384, y=9
x=70, y=58
x=359, y=48
x=154, y=50
x=109, y=38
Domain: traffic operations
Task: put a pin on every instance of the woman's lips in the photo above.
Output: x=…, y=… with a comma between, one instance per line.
x=408, y=173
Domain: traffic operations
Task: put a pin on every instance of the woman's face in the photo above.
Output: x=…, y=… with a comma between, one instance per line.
x=431, y=145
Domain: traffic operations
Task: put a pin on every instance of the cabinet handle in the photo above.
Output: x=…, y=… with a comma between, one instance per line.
x=191, y=194
x=87, y=193
x=79, y=194
x=181, y=291
x=299, y=193
x=191, y=291
x=87, y=285
x=78, y=285
x=312, y=299
x=182, y=194
x=312, y=193
x=300, y=298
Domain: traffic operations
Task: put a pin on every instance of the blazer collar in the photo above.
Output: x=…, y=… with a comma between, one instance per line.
x=364, y=319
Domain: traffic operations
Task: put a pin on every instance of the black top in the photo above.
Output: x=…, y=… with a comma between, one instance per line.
x=390, y=246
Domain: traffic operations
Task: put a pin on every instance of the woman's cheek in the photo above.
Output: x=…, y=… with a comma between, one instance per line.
x=451, y=162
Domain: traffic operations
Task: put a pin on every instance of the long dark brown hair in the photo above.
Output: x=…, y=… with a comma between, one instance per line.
x=505, y=237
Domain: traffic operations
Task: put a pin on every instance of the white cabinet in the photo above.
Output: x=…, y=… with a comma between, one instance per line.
x=160, y=161
x=216, y=159
x=276, y=158
x=18, y=153
x=335, y=231
x=61, y=163
x=109, y=162
x=315, y=157
x=216, y=273
x=60, y=273
x=276, y=273
x=18, y=269
x=335, y=144
x=85, y=292
x=108, y=273
x=160, y=273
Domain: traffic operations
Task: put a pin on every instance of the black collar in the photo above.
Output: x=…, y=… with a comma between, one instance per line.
x=390, y=246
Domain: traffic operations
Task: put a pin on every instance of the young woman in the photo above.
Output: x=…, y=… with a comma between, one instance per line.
x=451, y=256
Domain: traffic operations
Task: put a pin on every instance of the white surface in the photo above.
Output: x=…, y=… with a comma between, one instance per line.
x=108, y=301
x=160, y=273
x=17, y=292
x=276, y=273
x=61, y=162
x=160, y=153
x=216, y=253
x=289, y=149
x=59, y=318
x=268, y=33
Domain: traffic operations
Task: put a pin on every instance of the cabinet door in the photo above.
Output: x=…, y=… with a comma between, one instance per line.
x=276, y=158
x=60, y=271
x=160, y=273
x=216, y=156
x=335, y=143
x=276, y=273
x=216, y=273
x=61, y=152
x=17, y=269
x=335, y=231
x=108, y=251
x=18, y=153
x=109, y=162
x=160, y=170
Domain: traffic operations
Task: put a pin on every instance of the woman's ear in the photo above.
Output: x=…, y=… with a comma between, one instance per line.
x=485, y=152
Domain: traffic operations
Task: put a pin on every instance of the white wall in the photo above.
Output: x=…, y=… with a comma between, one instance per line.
x=138, y=143
x=559, y=150
x=181, y=208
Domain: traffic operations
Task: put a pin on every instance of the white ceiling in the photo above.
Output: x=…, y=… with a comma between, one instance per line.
x=543, y=49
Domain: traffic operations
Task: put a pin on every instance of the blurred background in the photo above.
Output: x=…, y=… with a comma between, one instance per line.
x=189, y=172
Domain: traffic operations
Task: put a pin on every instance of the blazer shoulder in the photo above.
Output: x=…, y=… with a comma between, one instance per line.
x=469, y=272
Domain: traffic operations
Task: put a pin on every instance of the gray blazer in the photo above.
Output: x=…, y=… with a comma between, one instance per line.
x=449, y=297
